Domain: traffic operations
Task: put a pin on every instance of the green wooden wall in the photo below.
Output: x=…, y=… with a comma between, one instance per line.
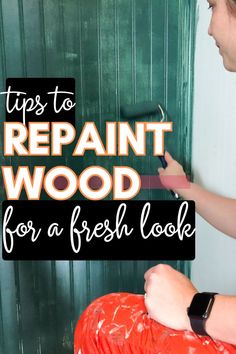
x=119, y=51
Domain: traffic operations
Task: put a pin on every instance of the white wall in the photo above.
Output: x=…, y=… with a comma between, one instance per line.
x=214, y=157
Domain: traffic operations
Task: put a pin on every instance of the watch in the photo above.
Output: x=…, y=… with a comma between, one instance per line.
x=199, y=311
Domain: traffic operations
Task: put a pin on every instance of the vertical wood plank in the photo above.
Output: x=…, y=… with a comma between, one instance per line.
x=8, y=309
x=28, y=308
x=63, y=313
x=13, y=49
x=30, y=18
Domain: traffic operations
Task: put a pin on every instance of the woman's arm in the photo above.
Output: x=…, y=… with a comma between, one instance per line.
x=220, y=212
x=168, y=295
x=217, y=210
x=222, y=321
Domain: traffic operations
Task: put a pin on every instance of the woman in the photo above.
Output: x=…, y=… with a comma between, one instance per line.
x=119, y=323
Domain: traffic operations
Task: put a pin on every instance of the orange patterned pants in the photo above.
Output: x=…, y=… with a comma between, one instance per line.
x=118, y=324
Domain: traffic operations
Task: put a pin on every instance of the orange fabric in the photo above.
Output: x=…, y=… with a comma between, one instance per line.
x=118, y=324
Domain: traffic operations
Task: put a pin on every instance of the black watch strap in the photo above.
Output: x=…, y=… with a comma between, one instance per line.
x=198, y=326
x=200, y=310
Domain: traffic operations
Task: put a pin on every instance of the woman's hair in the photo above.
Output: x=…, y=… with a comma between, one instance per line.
x=232, y=5
x=232, y=2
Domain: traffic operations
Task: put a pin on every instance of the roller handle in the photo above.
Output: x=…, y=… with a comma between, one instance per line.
x=163, y=161
x=164, y=165
x=143, y=109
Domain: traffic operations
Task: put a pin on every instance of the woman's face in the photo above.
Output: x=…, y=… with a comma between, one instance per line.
x=223, y=29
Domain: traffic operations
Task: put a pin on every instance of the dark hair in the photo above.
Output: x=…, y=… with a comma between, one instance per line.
x=232, y=2
x=232, y=5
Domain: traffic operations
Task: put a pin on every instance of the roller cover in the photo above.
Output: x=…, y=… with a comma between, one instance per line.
x=139, y=109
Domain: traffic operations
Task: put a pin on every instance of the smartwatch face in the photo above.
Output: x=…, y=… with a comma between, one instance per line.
x=199, y=307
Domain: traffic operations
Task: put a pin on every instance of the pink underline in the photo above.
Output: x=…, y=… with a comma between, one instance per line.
x=147, y=182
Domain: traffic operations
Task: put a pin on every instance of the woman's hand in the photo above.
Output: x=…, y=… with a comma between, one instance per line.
x=168, y=295
x=173, y=176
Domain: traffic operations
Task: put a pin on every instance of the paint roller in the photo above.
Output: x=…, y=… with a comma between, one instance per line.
x=143, y=109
